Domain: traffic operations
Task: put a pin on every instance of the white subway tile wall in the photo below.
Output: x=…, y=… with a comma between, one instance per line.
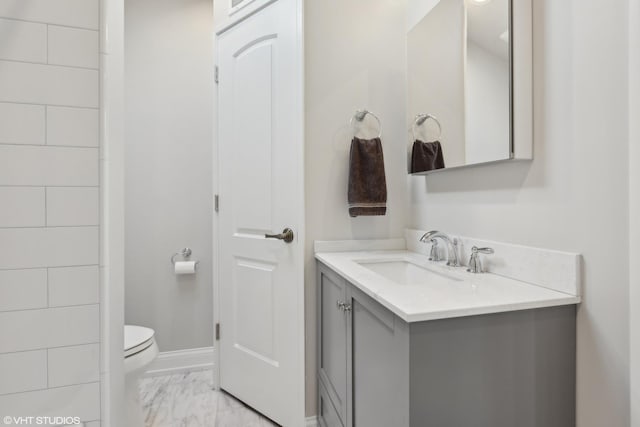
x=73, y=206
x=22, y=248
x=71, y=13
x=74, y=365
x=23, y=41
x=49, y=220
x=23, y=289
x=29, y=83
x=80, y=400
x=73, y=47
x=22, y=124
x=74, y=286
x=77, y=127
x=22, y=206
x=50, y=327
x=23, y=371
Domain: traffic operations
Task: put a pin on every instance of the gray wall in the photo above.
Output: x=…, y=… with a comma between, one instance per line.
x=577, y=184
x=168, y=202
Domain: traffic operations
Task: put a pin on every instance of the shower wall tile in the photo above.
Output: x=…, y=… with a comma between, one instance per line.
x=79, y=400
x=74, y=286
x=22, y=248
x=68, y=126
x=23, y=41
x=49, y=215
x=74, y=365
x=74, y=47
x=23, y=290
x=22, y=207
x=73, y=13
x=23, y=371
x=73, y=206
x=48, y=84
x=49, y=328
x=48, y=166
x=22, y=124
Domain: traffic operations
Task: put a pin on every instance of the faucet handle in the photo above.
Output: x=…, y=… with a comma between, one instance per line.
x=475, y=264
x=434, y=254
x=488, y=251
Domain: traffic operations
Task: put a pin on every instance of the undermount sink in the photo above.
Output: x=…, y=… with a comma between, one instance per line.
x=404, y=272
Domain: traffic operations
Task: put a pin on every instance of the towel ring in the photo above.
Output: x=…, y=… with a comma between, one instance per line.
x=419, y=121
x=361, y=114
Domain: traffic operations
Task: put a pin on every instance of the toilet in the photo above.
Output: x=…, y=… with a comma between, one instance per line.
x=140, y=349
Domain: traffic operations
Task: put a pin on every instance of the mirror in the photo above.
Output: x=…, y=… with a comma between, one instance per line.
x=460, y=92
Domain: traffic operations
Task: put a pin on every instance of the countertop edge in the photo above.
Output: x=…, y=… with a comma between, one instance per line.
x=450, y=314
x=569, y=300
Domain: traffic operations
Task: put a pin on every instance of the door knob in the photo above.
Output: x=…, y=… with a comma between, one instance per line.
x=286, y=235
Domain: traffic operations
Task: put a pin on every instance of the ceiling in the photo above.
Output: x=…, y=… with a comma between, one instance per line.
x=486, y=23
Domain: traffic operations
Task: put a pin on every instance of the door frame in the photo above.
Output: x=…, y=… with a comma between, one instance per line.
x=298, y=127
x=634, y=208
x=112, y=146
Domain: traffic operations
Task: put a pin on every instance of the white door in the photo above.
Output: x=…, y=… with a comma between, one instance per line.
x=261, y=284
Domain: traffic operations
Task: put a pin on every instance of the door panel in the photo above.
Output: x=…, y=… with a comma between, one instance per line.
x=253, y=315
x=252, y=110
x=261, y=192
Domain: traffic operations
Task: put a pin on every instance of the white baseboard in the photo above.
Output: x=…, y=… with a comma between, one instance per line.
x=172, y=362
x=311, y=422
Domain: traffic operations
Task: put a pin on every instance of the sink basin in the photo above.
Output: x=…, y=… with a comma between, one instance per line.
x=404, y=272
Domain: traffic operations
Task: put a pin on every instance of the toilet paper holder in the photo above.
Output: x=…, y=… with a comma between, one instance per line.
x=185, y=253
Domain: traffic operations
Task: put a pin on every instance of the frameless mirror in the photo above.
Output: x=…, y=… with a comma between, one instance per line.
x=460, y=84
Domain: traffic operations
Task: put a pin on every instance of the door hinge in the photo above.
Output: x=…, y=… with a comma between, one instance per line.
x=217, y=331
x=216, y=74
x=216, y=203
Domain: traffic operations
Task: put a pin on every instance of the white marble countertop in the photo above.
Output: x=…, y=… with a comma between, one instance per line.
x=449, y=292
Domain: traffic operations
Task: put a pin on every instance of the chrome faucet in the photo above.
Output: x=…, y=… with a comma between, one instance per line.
x=452, y=252
x=475, y=264
x=434, y=254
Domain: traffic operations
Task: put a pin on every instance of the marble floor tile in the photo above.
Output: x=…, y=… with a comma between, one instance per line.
x=189, y=400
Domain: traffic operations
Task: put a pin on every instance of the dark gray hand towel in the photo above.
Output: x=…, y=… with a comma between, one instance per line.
x=426, y=156
x=367, y=192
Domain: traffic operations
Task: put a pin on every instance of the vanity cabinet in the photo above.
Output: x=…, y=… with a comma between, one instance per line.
x=505, y=369
x=333, y=370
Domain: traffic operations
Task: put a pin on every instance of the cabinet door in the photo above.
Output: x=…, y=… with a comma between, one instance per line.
x=380, y=351
x=327, y=415
x=332, y=339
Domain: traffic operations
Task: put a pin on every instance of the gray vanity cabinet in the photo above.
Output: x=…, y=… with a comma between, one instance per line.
x=360, y=345
x=496, y=370
x=333, y=324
